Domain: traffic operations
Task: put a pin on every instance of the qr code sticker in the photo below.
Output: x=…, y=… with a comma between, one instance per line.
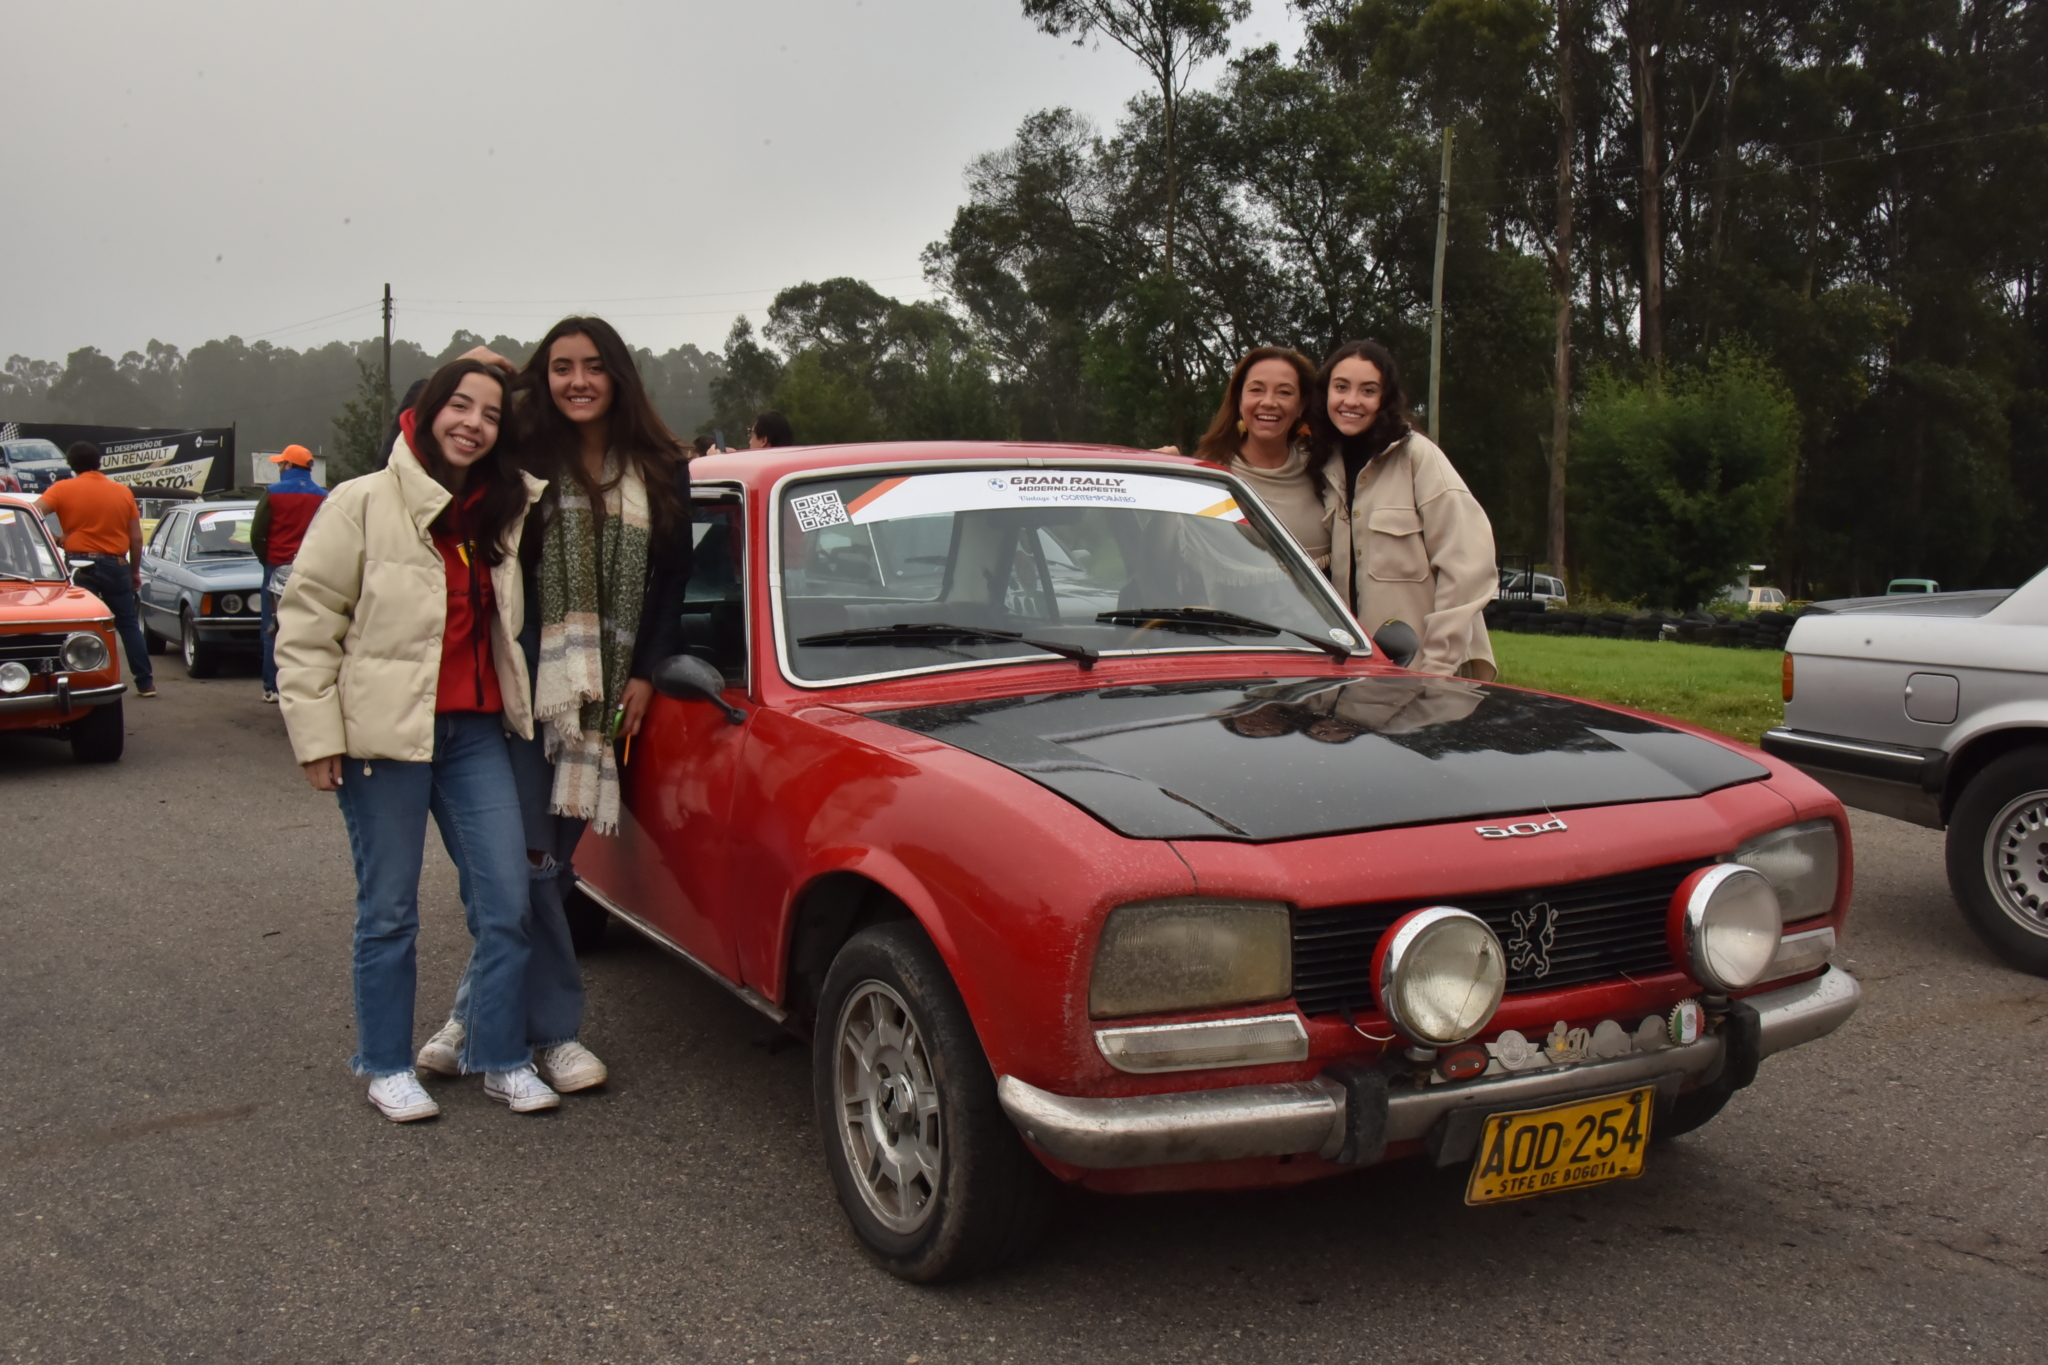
x=819, y=510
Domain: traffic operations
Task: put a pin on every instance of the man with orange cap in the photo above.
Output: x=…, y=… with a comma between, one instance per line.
x=283, y=512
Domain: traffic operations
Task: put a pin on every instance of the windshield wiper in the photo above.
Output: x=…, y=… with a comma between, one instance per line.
x=1211, y=619
x=13, y=577
x=907, y=633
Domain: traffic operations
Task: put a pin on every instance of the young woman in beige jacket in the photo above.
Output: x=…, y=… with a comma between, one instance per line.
x=1408, y=541
x=399, y=673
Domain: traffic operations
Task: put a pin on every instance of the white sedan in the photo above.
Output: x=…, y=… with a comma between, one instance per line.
x=1934, y=709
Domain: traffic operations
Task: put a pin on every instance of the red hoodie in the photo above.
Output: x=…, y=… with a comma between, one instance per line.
x=469, y=677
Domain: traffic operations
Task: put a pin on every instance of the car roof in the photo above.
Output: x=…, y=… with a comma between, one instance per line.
x=762, y=468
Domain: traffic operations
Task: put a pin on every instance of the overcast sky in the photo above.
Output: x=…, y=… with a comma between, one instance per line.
x=186, y=171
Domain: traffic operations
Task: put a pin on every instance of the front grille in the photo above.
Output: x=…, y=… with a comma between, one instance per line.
x=1602, y=930
x=31, y=649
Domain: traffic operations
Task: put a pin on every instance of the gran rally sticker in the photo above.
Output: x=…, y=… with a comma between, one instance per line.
x=818, y=510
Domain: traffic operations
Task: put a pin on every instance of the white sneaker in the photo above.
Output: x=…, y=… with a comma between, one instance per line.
x=270, y=696
x=523, y=1089
x=442, y=1053
x=570, y=1066
x=401, y=1098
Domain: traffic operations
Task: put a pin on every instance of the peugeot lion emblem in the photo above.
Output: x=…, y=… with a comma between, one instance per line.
x=1535, y=933
x=1525, y=830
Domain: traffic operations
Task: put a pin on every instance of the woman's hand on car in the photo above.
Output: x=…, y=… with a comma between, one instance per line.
x=633, y=703
x=324, y=773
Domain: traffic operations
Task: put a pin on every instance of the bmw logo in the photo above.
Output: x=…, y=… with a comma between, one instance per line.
x=999, y=484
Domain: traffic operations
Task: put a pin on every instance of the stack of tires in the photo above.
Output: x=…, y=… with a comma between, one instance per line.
x=1772, y=627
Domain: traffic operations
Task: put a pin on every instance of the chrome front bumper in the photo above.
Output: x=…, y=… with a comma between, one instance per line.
x=81, y=699
x=1318, y=1116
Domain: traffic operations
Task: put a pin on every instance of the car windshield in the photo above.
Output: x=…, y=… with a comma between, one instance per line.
x=30, y=451
x=898, y=573
x=24, y=550
x=220, y=533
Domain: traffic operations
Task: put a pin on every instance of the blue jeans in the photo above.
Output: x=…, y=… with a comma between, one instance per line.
x=269, y=633
x=109, y=578
x=467, y=787
x=554, y=981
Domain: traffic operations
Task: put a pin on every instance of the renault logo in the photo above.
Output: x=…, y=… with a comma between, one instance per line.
x=1521, y=831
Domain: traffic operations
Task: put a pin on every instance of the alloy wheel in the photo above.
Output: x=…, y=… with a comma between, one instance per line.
x=188, y=641
x=888, y=1107
x=2016, y=860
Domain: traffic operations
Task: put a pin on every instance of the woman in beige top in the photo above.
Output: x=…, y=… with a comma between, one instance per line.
x=1261, y=432
x=1409, y=542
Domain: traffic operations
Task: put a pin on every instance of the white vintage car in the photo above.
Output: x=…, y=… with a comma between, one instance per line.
x=1934, y=709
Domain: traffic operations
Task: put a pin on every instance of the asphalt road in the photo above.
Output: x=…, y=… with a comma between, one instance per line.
x=187, y=1170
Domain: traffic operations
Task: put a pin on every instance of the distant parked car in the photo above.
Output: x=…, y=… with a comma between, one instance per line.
x=1910, y=587
x=1934, y=708
x=59, y=674
x=35, y=464
x=202, y=584
x=1765, y=599
x=1541, y=587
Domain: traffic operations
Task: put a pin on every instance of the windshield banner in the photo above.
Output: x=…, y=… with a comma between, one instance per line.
x=192, y=461
x=926, y=495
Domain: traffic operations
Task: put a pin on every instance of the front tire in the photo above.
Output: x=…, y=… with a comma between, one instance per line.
x=98, y=736
x=201, y=659
x=931, y=1173
x=1998, y=857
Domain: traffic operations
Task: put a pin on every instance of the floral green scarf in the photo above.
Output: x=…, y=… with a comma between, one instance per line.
x=593, y=577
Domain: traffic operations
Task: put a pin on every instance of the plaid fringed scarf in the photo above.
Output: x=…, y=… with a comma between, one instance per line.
x=592, y=582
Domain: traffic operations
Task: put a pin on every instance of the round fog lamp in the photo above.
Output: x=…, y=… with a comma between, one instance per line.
x=230, y=604
x=1439, y=974
x=1726, y=924
x=85, y=653
x=13, y=677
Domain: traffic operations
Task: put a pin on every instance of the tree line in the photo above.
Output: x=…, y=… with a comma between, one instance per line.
x=1726, y=282
x=330, y=398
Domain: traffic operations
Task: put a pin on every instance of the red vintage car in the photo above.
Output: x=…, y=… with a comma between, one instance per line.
x=1056, y=796
x=59, y=674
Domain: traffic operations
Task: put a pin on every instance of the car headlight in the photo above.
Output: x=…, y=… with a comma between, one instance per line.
x=85, y=652
x=230, y=604
x=14, y=677
x=1726, y=924
x=1439, y=975
x=1803, y=864
x=1191, y=953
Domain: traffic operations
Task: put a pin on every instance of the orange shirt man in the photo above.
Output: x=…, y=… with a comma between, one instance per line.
x=102, y=524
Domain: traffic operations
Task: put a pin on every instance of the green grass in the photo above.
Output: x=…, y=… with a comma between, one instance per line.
x=1735, y=691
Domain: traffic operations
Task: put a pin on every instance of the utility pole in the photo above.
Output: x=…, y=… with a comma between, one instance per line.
x=1436, y=292
x=384, y=404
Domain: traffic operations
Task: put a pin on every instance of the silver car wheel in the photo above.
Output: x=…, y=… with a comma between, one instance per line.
x=2016, y=860
x=888, y=1105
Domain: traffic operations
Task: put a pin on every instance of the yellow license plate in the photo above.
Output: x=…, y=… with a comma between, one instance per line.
x=1564, y=1147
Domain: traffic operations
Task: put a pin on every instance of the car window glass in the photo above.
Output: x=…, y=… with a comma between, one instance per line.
x=220, y=534
x=1052, y=554
x=171, y=536
x=24, y=550
x=714, y=607
x=160, y=543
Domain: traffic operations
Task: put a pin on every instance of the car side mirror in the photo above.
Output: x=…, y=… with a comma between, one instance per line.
x=1398, y=642
x=688, y=678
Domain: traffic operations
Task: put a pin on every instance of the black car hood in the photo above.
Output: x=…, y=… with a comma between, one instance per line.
x=1265, y=759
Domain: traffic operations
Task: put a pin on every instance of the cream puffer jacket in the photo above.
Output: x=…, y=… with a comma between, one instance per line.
x=360, y=625
x=1410, y=543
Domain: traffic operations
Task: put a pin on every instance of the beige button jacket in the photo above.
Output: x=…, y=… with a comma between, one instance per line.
x=360, y=624
x=1419, y=549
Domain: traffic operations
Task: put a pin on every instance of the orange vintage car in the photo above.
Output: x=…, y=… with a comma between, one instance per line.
x=59, y=674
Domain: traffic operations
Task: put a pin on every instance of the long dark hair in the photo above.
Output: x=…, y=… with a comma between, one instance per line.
x=1222, y=440
x=554, y=449
x=504, y=489
x=1389, y=425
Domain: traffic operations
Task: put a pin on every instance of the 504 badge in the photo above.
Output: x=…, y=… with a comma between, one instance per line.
x=1562, y=1147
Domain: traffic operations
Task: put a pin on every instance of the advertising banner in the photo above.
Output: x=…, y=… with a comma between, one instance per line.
x=193, y=461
